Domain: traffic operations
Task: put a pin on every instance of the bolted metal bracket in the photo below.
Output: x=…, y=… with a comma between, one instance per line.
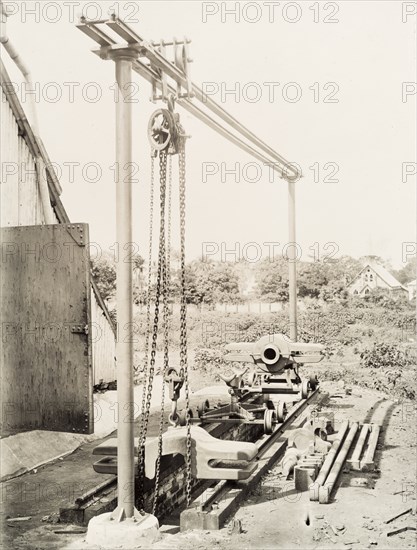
x=77, y=232
x=79, y=329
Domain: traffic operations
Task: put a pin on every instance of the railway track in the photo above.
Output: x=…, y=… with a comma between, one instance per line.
x=212, y=502
x=216, y=504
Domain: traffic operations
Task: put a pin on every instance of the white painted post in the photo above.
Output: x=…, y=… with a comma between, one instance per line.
x=292, y=262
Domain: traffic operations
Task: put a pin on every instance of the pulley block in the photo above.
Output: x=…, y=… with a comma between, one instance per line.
x=162, y=129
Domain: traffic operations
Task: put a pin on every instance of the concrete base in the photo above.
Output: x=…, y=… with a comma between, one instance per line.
x=106, y=532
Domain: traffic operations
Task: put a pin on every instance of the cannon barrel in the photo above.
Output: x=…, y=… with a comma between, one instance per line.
x=273, y=349
x=270, y=354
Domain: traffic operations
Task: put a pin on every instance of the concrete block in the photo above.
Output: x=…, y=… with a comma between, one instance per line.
x=195, y=518
x=106, y=532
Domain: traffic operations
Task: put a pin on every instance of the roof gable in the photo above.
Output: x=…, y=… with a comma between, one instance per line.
x=382, y=272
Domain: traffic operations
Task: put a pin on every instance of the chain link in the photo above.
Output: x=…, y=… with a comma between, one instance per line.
x=165, y=259
x=163, y=284
x=148, y=298
x=160, y=276
x=183, y=317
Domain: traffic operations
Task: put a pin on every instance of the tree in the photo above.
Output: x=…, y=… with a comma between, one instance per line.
x=406, y=273
x=103, y=271
x=209, y=282
x=225, y=282
x=312, y=278
x=372, y=258
x=198, y=288
x=339, y=274
x=272, y=280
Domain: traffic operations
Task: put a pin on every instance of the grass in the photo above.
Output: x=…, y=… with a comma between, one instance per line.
x=347, y=329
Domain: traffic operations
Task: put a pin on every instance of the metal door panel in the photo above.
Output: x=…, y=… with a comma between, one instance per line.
x=46, y=369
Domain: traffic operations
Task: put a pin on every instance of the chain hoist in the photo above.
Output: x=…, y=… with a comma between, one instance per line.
x=167, y=138
x=159, y=281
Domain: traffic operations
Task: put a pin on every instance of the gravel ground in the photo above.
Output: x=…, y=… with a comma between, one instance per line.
x=275, y=516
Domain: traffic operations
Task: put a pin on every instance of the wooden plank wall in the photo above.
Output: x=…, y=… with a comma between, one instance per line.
x=21, y=205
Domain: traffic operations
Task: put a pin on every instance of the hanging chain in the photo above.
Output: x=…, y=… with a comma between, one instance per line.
x=148, y=301
x=141, y=457
x=168, y=245
x=165, y=258
x=163, y=284
x=183, y=317
x=148, y=297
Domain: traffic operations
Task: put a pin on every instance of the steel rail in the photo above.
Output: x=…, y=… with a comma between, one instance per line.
x=267, y=440
x=220, y=492
x=93, y=495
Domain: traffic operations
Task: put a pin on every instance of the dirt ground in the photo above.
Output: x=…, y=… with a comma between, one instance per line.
x=275, y=515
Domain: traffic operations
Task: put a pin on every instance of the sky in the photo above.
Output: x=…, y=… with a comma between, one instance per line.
x=328, y=85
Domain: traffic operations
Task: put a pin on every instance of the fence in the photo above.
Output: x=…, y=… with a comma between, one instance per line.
x=246, y=307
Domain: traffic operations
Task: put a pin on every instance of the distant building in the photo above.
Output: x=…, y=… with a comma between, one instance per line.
x=374, y=276
x=411, y=287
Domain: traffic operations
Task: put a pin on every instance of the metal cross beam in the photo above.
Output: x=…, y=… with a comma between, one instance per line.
x=158, y=66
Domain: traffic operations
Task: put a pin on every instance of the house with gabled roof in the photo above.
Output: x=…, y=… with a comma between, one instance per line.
x=372, y=276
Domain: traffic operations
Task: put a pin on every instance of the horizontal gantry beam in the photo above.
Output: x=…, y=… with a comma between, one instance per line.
x=202, y=107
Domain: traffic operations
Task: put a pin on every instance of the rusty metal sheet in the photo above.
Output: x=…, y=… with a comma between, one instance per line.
x=46, y=362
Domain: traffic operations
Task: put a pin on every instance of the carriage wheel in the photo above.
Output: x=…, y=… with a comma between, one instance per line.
x=305, y=388
x=281, y=411
x=269, y=420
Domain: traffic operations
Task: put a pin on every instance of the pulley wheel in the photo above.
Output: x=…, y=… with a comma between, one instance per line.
x=203, y=407
x=181, y=57
x=182, y=416
x=269, y=421
x=305, y=387
x=161, y=129
x=281, y=411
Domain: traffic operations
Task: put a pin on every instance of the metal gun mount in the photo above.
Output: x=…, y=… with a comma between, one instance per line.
x=274, y=376
x=276, y=360
x=274, y=353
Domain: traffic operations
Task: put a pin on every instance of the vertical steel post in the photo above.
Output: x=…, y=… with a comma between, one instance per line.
x=124, y=292
x=292, y=262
